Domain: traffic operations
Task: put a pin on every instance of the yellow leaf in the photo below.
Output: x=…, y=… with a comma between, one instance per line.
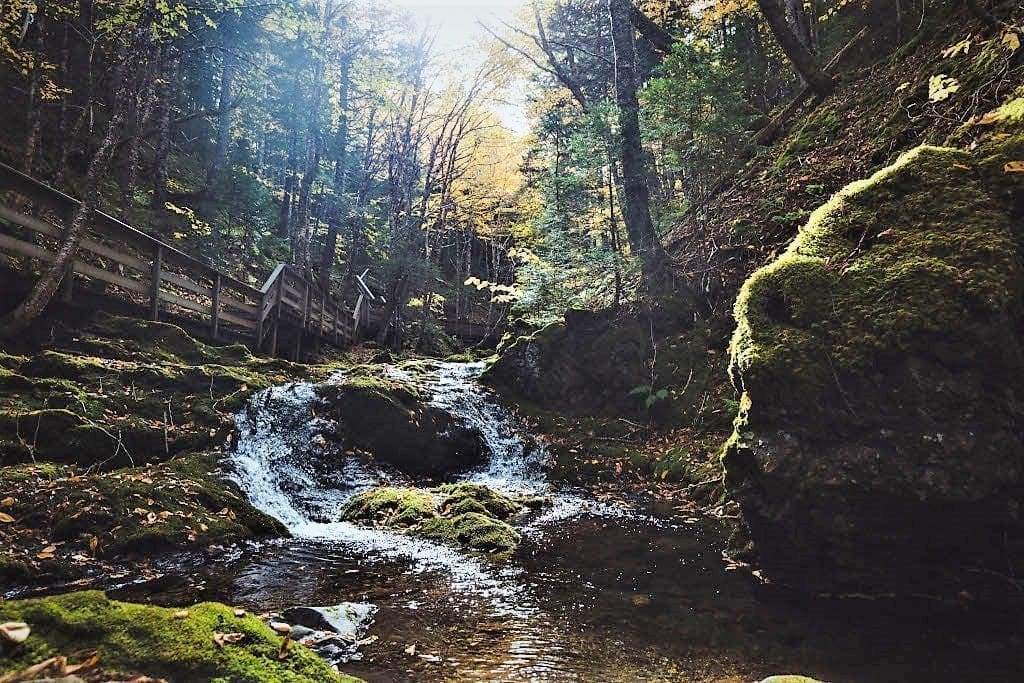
x=1014, y=167
x=941, y=86
x=963, y=46
x=1011, y=39
x=15, y=631
x=7, y=502
x=989, y=118
x=181, y=614
x=6, y=518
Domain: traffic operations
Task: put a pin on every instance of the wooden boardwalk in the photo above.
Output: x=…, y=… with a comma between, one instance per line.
x=136, y=267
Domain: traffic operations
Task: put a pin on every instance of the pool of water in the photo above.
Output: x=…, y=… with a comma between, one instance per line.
x=596, y=592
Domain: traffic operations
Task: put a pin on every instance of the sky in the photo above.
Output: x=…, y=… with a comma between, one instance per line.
x=457, y=25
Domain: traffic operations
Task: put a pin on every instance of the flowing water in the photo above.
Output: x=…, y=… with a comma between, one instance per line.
x=596, y=592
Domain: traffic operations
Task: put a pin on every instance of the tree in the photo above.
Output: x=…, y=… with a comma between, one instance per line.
x=636, y=199
x=44, y=288
x=802, y=59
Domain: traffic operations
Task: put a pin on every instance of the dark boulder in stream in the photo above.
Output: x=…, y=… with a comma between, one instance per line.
x=878, y=446
x=395, y=421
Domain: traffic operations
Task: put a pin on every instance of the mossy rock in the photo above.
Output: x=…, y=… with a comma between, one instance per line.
x=600, y=363
x=468, y=497
x=95, y=518
x=391, y=507
x=393, y=420
x=877, y=446
x=136, y=639
x=470, y=516
x=142, y=394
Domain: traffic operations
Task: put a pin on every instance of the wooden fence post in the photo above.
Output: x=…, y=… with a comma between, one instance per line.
x=277, y=313
x=154, y=289
x=68, y=283
x=215, y=314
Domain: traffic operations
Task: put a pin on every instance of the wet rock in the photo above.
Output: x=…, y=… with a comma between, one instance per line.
x=348, y=617
x=334, y=632
x=878, y=446
x=395, y=422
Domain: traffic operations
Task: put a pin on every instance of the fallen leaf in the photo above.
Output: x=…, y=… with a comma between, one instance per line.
x=1014, y=167
x=963, y=46
x=239, y=612
x=7, y=502
x=286, y=645
x=15, y=631
x=411, y=650
x=222, y=639
x=88, y=663
x=941, y=86
x=1011, y=40
x=989, y=118
x=280, y=627
x=6, y=518
x=181, y=614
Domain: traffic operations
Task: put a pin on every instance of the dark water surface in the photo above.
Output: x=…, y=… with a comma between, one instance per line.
x=595, y=593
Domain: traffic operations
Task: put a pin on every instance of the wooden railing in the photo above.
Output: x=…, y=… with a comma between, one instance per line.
x=135, y=266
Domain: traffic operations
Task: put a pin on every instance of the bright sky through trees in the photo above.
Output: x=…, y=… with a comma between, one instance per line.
x=456, y=24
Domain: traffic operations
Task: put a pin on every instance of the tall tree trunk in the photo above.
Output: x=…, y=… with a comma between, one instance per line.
x=43, y=290
x=336, y=216
x=135, y=144
x=796, y=17
x=161, y=158
x=636, y=205
x=229, y=65
x=803, y=61
x=34, y=117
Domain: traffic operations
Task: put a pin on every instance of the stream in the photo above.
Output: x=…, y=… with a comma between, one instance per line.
x=596, y=592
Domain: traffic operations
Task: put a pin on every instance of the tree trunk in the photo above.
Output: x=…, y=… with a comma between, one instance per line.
x=803, y=61
x=135, y=146
x=796, y=17
x=34, y=112
x=43, y=290
x=336, y=216
x=161, y=157
x=636, y=205
x=227, y=80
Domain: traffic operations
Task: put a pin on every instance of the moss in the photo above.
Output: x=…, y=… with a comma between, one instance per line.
x=469, y=516
x=100, y=390
x=918, y=248
x=475, y=531
x=96, y=517
x=391, y=507
x=141, y=639
x=467, y=497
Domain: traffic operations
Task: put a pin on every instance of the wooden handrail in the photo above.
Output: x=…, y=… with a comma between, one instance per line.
x=13, y=179
x=157, y=272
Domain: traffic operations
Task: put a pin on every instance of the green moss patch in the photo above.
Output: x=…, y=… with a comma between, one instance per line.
x=68, y=523
x=468, y=515
x=889, y=264
x=135, y=639
x=126, y=392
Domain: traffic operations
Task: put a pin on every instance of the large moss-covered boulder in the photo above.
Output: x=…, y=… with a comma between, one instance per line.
x=393, y=420
x=879, y=444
